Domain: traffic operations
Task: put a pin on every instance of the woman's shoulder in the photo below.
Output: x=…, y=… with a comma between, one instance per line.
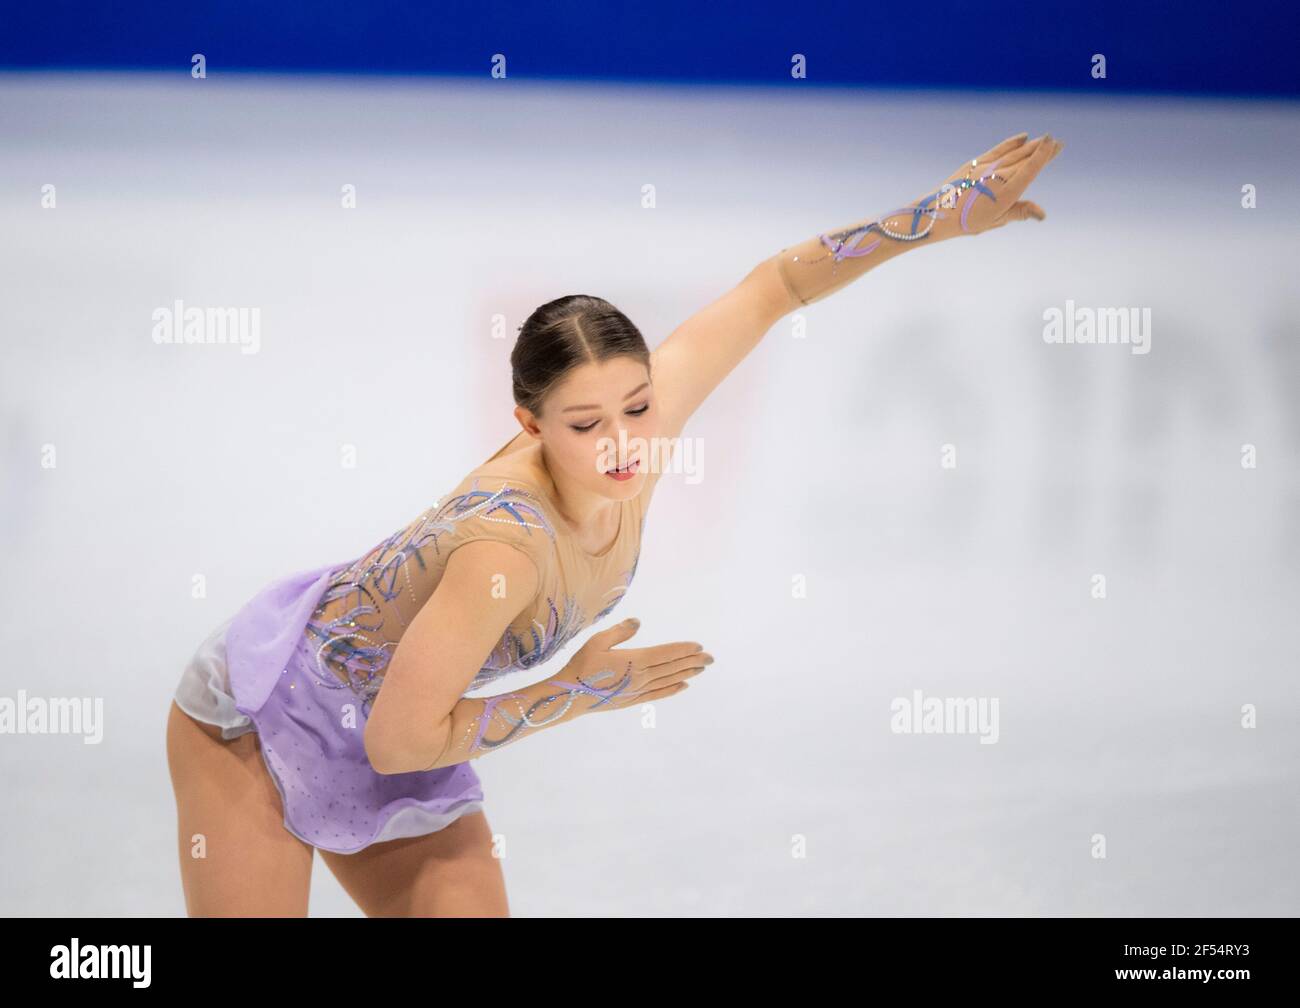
x=495, y=502
x=519, y=469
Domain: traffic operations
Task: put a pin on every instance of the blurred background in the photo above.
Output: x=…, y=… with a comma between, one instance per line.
x=395, y=187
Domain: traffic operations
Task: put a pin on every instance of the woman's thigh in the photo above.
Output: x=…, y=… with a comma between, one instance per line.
x=450, y=873
x=237, y=858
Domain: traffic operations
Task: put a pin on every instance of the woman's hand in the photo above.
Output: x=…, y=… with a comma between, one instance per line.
x=611, y=679
x=983, y=193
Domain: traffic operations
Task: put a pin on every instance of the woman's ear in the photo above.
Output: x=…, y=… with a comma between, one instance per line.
x=528, y=422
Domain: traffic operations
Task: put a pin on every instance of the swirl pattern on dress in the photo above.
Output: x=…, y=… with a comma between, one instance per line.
x=352, y=648
x=523, y=651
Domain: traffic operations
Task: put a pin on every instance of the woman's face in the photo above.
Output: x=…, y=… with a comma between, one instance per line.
x=597, y=426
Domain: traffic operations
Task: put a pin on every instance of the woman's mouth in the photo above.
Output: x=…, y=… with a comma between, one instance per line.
x=626, y=473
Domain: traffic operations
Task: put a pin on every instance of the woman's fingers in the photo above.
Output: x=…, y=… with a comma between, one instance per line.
x=683, y=668
x=1027, y=208
x=666, y=654
x=617, y=634
x=1022, y=210
x=1036, y=161
x=1014, y=157
x=1005, y=147
x=1020, y=175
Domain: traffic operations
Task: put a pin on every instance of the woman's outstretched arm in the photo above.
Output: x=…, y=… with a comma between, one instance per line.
x=982, y=194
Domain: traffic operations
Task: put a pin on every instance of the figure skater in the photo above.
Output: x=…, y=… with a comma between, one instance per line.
x=329, y=713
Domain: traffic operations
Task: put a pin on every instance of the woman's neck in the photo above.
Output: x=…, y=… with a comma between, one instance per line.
x=589, y=516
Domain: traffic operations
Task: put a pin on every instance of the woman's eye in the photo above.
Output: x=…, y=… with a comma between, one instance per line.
x=632, y=412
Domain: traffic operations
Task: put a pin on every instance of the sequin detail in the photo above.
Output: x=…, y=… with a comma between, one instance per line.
x=522, y=651
x=353, y=648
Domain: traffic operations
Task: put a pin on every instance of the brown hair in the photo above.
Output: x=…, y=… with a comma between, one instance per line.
x=560, y=335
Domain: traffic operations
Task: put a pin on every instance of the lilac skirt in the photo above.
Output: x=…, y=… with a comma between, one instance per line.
x=256, y=673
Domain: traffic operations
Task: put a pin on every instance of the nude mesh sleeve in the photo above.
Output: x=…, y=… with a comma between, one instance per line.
x=498, y=510
x=823, y=264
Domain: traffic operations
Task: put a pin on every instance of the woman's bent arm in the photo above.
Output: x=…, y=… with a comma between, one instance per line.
x=484, y=586
x=599, y=677
x=478, y=727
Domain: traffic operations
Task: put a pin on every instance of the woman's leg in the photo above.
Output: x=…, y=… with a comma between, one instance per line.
x=450, y=873
x=237, y=859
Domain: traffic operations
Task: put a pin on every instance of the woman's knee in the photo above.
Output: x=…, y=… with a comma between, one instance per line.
x=453, y=872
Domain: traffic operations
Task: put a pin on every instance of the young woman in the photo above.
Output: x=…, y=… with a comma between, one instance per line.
x=330, y=713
